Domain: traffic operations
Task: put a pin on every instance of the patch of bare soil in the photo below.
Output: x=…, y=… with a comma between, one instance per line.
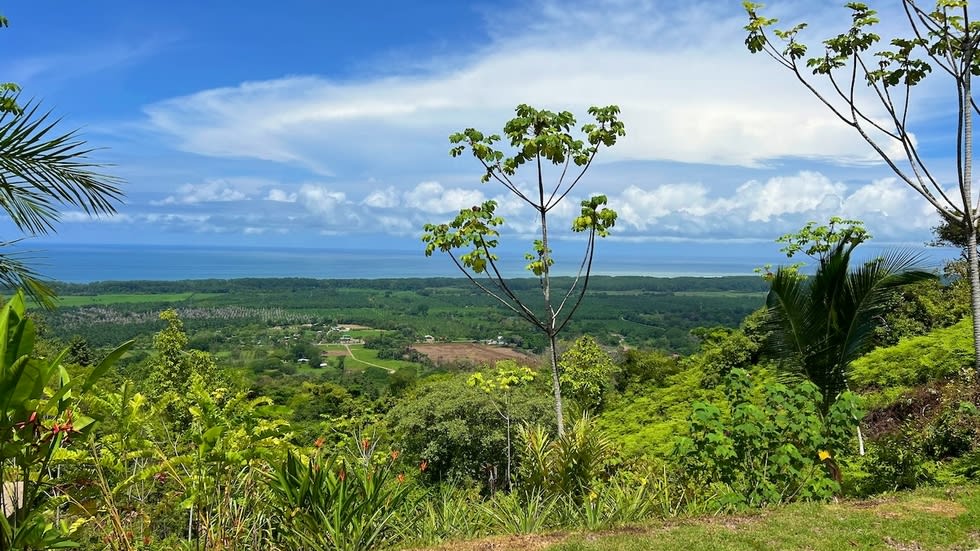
x=530, y=542
x=476, y=353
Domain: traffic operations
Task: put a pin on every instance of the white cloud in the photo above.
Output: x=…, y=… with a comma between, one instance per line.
x=805, y=192
x=703, y=99
x=280, y=196
x=432, y=197
x=382, y=198
x=211, y=191
x=320, y=200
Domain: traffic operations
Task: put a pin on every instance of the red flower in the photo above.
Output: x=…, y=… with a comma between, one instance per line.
x=365, y=444
x=342, y=475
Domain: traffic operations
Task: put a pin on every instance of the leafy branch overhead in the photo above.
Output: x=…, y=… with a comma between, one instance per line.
x=868, y=86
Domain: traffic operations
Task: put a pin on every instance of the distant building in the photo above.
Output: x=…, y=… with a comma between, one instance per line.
x=429, y=339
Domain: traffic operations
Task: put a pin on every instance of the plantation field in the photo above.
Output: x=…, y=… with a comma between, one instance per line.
x=442, y=353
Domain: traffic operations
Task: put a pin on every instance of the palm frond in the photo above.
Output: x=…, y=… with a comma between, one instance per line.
x=820, y=324
x=41, y=168
x=16, y=274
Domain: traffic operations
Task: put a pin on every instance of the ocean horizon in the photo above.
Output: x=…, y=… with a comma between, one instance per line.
x=84, y=263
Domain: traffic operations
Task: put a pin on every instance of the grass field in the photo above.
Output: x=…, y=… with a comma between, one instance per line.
x=367, y=356
x=721, y=294
x=97, y=300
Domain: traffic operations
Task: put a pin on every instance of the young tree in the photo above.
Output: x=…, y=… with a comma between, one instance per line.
x=538, y=138
x=499, y=387
x=586, y=372
x=945, y=38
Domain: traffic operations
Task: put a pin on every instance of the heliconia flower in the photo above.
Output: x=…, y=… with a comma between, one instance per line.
x=823, y=455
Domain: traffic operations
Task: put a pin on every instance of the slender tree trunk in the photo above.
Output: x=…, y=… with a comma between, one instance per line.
x=508, y=450
x=556, y=383
x=974, y=274
x=973, y=268
x=548, y=308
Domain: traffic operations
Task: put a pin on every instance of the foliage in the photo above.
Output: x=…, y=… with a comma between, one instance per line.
x=455, y=428
x=40, y=170
x=342, y=502
x=174, y=366
x=823, y=323
x=940, y=354
x=540, y=139
x=586, y=372
x=36, y=422
x=567, y=466
x=768, y=444
x=499, y=387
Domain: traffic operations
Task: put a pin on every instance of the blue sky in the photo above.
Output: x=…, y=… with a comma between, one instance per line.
x=314, y=123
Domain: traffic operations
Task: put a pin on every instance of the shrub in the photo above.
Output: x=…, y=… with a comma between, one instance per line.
x=774, y=449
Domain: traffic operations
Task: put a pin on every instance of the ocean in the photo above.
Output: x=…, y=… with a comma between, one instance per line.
x=87, y=263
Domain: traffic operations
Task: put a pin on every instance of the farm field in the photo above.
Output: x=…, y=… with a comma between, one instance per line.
x=442, y=353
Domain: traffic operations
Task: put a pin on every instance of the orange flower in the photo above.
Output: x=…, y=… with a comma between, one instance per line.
x=423, y=465
x=365, y=444
x=394, y=455
x=342, y=475
x=318, y=443
x=400, y=477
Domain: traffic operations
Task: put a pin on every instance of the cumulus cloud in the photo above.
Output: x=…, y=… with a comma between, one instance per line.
x=280, y=196
x=212, y=191
x=432, y=197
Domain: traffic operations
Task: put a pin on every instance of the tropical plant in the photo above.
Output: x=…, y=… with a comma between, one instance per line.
x=40, y=170
x=39, y=417
x=566, y=466
x=822, y=323
x=339, y=502
x=769, y=443
x=539, y=138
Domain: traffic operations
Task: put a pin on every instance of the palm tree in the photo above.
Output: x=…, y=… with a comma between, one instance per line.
x=42, y=169
x=821, y=323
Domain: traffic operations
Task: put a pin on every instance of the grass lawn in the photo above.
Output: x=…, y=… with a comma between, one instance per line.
x=933, y=518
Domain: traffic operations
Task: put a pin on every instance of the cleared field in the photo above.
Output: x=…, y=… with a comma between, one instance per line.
x=89, y=300
x=442, y=353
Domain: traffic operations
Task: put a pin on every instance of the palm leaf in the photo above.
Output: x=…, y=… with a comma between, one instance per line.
x=820, y=324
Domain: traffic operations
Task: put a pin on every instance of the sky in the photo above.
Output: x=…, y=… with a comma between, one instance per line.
x=324, y=124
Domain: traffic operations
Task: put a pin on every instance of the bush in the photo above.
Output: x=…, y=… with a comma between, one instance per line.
x=772, y=449
x=917, y=360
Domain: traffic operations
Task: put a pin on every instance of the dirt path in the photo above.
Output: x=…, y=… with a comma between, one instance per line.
x=355, y=358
